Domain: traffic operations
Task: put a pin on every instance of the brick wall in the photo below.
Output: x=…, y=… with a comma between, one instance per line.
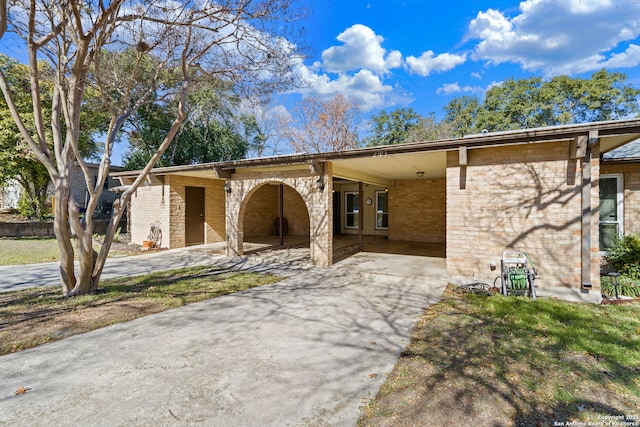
x=631, y=182
x=318, y=204
x=296, y=213
x=524, y=197
x=262, y=210
x=147, y=207
x=417, y=210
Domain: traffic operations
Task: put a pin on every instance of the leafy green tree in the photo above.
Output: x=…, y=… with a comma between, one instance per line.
x=534, y=102
x=461, y=114
x=194, y=143
x=132, y=54
x=392, y=128
x=212, y=132
x=429, y=129
x=17, y=161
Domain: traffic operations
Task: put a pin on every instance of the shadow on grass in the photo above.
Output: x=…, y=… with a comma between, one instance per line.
x=24, y=312
x=513, y=361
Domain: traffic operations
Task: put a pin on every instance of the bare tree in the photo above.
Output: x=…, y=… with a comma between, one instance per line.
x=322, y=126
x=132, y=53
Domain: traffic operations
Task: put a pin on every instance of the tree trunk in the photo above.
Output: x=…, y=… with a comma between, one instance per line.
x=63, y=234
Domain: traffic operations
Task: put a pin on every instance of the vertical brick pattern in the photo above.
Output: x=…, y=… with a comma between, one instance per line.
x=524, y=197
x=417, y=210
x=631, y=182
x=318, y=205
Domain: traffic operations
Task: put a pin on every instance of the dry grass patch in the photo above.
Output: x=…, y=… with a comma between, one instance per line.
x=36, y=316
x=495, y=361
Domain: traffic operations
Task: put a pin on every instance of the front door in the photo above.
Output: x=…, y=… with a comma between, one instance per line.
x=194, y=216
x=611, y=209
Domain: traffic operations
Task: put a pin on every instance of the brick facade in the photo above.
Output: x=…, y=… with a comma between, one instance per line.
x=417, y=210
x=525, y=197
x=165, y=204
x=262, y=210
x=243, y=186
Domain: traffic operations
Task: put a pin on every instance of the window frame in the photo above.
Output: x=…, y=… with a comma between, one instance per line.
x=377, y=192
x=619, y=177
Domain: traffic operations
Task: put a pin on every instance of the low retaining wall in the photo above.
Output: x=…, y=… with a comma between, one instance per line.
x=45, y=229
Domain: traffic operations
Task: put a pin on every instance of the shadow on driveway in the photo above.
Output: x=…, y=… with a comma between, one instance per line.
x=309, y=350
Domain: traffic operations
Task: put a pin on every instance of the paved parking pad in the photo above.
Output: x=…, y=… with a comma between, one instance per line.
x=309, y=350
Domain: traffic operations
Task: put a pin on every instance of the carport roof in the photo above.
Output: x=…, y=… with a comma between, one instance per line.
x=391, y=162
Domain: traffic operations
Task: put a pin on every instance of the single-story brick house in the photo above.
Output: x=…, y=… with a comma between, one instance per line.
x=551, y=192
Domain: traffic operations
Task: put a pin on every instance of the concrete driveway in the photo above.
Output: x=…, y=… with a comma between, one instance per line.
x=16, y=277
x=309, y=350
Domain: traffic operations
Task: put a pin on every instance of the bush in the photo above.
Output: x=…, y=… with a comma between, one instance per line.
x=27, y=208
x=627, y=287
x=624, y=256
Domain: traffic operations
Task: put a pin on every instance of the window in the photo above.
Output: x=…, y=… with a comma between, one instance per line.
x=611, y=209
x=352, y=213
x=382, y=210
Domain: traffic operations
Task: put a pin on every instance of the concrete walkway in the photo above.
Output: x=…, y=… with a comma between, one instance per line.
x=308, y=351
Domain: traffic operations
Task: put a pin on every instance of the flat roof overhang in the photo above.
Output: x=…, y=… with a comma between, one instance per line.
x=385, y=164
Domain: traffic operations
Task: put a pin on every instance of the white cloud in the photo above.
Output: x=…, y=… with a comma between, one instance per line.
x=476, y=75
x=568, y=36
x=365, y=87
x=361, y=49
x=449, y=88
x=429, y=62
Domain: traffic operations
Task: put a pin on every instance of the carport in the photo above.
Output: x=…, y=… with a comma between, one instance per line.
x=466, y=198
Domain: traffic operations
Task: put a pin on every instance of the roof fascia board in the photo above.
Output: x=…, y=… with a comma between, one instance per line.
x=358, y=176
x=525, y=136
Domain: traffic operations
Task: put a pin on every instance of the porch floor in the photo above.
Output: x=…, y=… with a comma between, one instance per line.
x=345, y=245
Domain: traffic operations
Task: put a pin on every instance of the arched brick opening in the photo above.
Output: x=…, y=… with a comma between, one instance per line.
x=259, y=217
x=317, y=200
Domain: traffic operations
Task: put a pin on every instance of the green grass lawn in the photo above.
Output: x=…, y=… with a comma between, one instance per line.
x=512, y=361
x=33, y=250
x=28, y=250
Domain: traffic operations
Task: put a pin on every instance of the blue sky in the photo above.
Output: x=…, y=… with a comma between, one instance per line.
x=421, y=54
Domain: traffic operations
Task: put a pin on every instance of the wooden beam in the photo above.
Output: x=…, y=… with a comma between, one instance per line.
x=587, y=214
x=340, y=171
x=578, y=147
x=462, y=156
x=223, y=173
x=316, y=167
